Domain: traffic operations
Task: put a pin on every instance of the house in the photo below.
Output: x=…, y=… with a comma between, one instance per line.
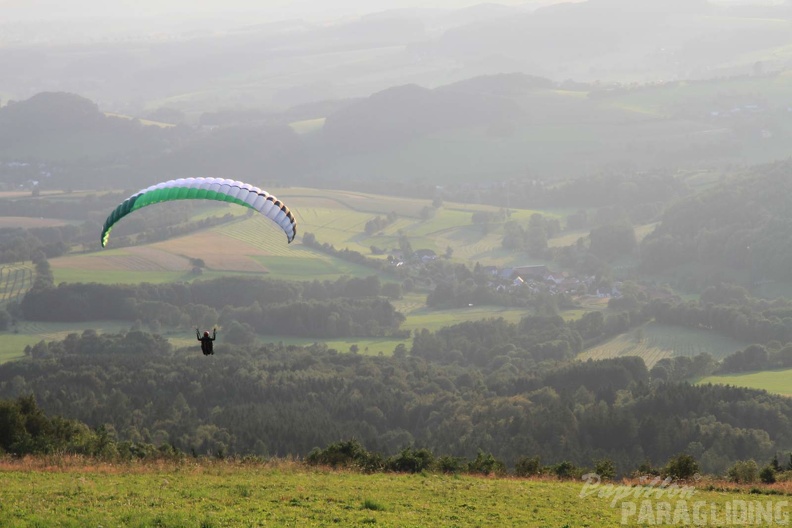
x=506, y=273
x=532, y=271
x=490, y=270
x=425, y=255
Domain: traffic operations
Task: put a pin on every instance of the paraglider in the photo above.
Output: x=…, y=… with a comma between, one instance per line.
x=207, y=346
x=219, y=189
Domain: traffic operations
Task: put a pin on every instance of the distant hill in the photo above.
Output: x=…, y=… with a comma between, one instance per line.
x=477, y=131
x=407, y=112
x=742, y=224
x=273, y=66
x=59, y=127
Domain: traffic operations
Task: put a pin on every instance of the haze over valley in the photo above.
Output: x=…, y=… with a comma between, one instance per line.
x=536, y=238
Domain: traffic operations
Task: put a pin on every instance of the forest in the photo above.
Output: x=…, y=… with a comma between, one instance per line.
x=282, y=400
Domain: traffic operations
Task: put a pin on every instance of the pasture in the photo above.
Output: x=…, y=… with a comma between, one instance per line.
x=655, y=341
x=74, y=492
x=775, y=381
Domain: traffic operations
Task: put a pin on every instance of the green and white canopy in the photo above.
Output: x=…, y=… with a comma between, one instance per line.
x=206, y=189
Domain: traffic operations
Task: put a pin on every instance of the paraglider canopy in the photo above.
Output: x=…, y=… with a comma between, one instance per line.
x=207, y=189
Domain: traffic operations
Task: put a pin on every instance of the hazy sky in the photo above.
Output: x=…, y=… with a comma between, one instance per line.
x=47, y=9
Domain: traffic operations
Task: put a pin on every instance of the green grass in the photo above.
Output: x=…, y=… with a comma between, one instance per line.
x=288, y=494
x=655, y=341
x=776, y=381
x=436, y=319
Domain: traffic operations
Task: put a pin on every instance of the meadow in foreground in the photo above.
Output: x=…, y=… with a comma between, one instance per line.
x=75, y=492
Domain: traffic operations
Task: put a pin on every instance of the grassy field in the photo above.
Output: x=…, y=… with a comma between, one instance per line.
x=279, y=493
x=655, y=341
x=775, y=381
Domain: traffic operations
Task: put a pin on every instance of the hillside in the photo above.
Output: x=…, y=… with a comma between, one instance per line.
x=742, y=225
x=502, y=388
x=464, y=136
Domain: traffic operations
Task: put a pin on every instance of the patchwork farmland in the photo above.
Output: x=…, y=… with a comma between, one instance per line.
x=251, y=244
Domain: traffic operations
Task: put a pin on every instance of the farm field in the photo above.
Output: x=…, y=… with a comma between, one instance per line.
x=15, y=280
x=281, y=493
x=251, y=244
x=655, y=341
x=775, y=381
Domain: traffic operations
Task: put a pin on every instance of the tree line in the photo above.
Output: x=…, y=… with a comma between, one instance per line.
x=26, y=430
x=347, y=306
x=746, y=319
x=286, y=400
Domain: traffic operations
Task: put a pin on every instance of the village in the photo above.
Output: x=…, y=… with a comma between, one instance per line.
x=512, y=279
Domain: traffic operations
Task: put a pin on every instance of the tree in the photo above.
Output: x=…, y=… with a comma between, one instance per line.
x=612, y=240
x=5, y=319
x=536, y=235
x=681, y=467
x=744, y=472
x=405, y=247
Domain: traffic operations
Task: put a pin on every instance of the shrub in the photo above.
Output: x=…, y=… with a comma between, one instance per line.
x=767, y=475
x=450, y=464
x=744, y=472
x=350, y=453
x=680, y=467
x=409, y=461
x=605, y=469
x=486, y=464
x=564, y=469
x=528, y=467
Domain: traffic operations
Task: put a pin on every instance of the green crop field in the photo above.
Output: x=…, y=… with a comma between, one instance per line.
x=15, y=280
x=279, y=493
x=775, y=381
x=655, y=341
